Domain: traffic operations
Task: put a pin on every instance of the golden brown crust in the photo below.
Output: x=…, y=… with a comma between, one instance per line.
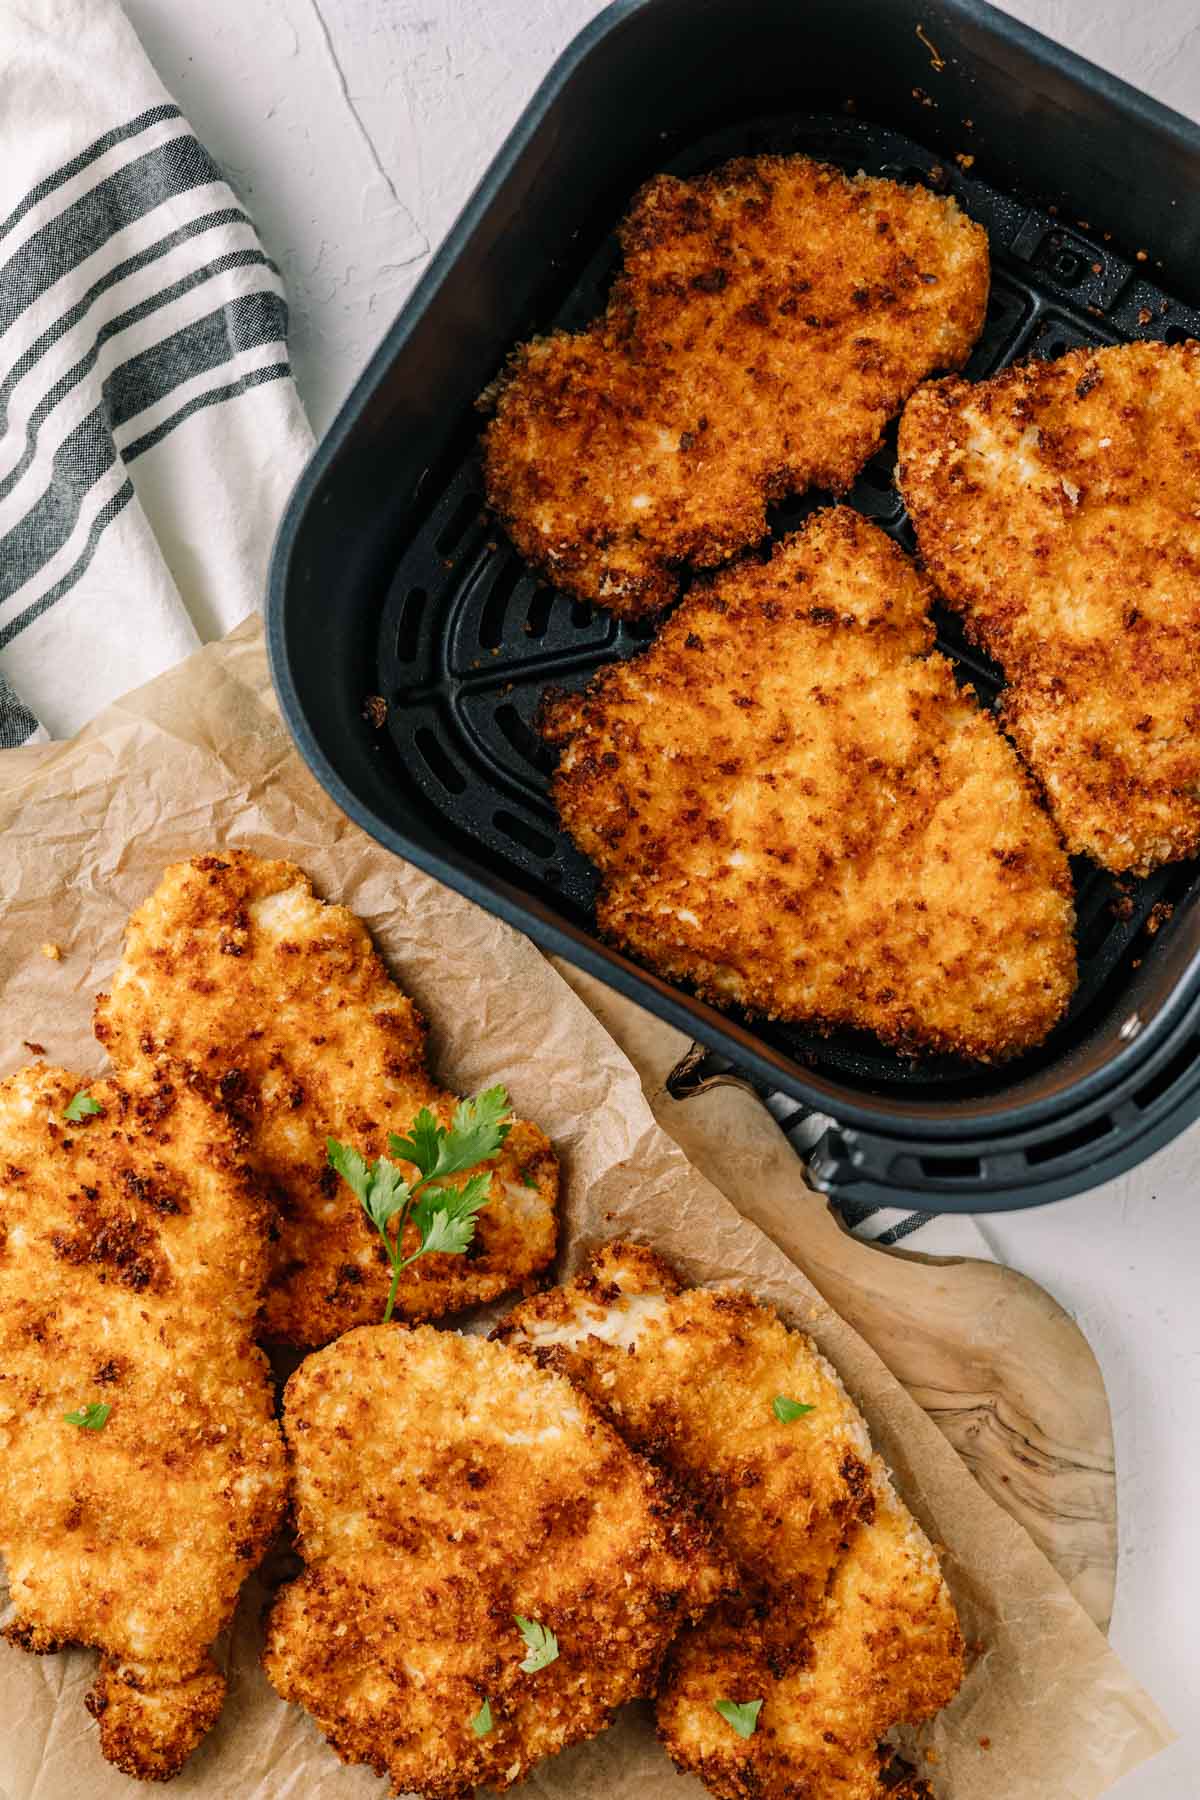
x=843, y=1625
x=234, y=966
x=770, y=319
x=794, y=807
x=444, y=1484
x=1058, y=507
x=148, y=1732
x=883, y=1648
x=781, y=1499
x=133, y=1255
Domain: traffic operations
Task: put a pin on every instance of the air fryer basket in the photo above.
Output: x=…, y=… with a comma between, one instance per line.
x=389, y=579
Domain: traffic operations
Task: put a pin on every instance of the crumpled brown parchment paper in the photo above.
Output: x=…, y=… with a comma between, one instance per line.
x=198, y=759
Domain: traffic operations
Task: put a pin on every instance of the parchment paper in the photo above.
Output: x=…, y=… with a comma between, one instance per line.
x=198, y=759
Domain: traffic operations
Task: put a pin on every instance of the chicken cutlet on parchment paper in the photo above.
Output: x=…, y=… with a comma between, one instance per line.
x=142, y=1470
x=199, y=758
x=234, y=967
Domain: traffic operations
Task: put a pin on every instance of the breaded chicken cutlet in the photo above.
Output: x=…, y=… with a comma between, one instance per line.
x=446, y=1490
x=234, y=967
x=1058, y=508
x=771, y=317
x=673, y=1367
x=142, y=1470
x=794, y=807
x=883, y=1648
x=843, y=1626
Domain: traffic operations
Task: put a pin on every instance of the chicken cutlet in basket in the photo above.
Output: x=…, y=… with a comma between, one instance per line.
x=794, y=807
x=281, y=1001
x=491, y=1571
x=1058, y=508
x=843, y=1625
x=142, y=1470
x=771, y=317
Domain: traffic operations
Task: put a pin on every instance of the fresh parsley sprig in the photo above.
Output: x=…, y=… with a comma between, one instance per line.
x=786, y=1410
x=444, y=1217
x=481, y=1724
x=741, y=1714
x=80, y=1108
x=92, y=1417
x=540, y=1642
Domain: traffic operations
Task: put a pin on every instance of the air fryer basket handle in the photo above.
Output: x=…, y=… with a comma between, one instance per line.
x=815, y=1137
x=700, y=1068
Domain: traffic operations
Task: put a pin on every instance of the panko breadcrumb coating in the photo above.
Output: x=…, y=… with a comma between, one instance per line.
x=672, y=1367
x=883, y=1647
x=1058, y=508
x=772, y=316
x=281, y=1001
x=843, y=1626
x=794, y=807
x=444, y=1485
x=133, y=1257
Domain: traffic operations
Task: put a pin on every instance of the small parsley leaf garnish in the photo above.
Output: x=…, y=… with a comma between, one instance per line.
x=527, y=1180
x=92, y=1417
x=444, y=1217
x=481, y=1724
x=541, y=1643
x=81, y=1107
x=477, y=1130
x=786, y=1410
x=351, y=1165
x=423, y=1143
x=741, y=1714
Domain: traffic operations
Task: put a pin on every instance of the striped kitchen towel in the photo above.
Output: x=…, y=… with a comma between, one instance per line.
x=150, y=430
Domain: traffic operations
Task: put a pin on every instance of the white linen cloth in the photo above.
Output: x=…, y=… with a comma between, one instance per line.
x=150, y=429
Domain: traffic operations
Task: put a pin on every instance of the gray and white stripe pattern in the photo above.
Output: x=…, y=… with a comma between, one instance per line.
x=17, y=723
x=135, y=299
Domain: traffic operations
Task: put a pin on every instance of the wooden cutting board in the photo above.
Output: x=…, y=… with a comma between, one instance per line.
x=1002, y=1370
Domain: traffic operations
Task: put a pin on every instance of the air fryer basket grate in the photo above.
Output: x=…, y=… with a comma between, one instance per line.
x=470, y=638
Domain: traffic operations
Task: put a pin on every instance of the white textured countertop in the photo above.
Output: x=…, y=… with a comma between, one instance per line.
x=355, y=129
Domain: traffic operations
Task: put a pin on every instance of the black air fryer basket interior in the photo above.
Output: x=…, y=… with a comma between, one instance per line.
x=389, y=580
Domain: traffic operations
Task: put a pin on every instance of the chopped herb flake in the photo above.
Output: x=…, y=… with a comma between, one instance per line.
x=541, y=1642
x=81, y=1107
x=741, y=1714
x=92, y=1417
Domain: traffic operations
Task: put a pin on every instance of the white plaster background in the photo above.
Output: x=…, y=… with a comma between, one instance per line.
x=355, y=129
